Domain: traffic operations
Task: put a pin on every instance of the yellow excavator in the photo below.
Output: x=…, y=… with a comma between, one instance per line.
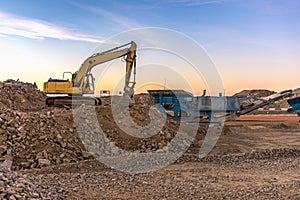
x=63, y=92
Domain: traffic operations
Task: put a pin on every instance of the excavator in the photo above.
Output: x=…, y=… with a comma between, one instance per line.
x=79, y=90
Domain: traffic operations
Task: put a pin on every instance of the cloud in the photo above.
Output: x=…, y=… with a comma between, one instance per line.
x=116, y=18
x=38, y=29
x=269, y=7
x=143, y=5
x=272, y=7
x=137, y=6
x=194, y=2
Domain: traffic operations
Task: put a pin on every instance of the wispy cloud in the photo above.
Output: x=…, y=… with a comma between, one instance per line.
x=137, y=7
x=124, y=22
x=269, y=7
x=38, y=29
x=194, y=2
x=272, y=7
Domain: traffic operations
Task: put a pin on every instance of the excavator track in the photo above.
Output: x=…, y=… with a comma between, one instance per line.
x=72, y=101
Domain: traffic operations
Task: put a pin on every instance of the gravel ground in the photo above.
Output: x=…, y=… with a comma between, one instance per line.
x=16, y=185
x=229, y=177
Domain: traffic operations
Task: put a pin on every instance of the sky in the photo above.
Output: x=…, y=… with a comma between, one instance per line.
x=253, y=44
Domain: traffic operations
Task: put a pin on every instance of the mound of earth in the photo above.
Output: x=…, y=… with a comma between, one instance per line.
x=35, y=136
x=297, y=91
x=264, y=93
x=255, y=92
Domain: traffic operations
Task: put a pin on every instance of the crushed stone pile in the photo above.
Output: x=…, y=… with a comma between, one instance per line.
x=35, y=136
x=18, y=95
x=38, y=139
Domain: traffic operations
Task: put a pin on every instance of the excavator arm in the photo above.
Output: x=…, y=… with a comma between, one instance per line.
x=130, y=64
x=79, y=78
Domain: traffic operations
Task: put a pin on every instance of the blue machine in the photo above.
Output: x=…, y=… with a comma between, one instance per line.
x=295, y=103
x=180, y=104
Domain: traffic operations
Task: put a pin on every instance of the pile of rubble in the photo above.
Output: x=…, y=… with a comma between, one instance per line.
x=38, y=139
x=34, y=136
x=18, y=95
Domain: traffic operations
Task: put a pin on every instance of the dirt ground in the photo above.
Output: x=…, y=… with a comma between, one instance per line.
x=252, y=160
x=43, y=157
x=273, y=118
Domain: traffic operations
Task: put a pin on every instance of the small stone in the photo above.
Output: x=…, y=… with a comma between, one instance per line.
x=63, y=144
x=62, y=155
x=86, y=155
x=35, y=195
x=43, y=162
x=18, y=196
x=59, y=137
x=3, y=149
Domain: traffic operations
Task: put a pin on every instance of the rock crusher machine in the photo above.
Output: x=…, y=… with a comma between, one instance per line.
x=182, y=105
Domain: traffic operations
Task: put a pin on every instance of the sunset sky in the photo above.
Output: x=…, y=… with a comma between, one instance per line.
x=254, y=44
